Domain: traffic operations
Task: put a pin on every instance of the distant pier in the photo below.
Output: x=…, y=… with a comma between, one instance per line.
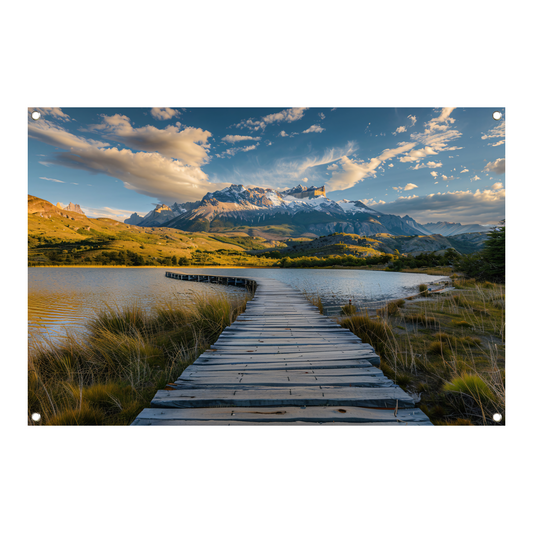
x=281, y=363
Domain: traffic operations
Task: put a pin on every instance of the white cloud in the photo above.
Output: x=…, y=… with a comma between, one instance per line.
x=282, y=134
x=391, y=165
x=436, y=136
x=237, y=138
x=287, y=115
x=230, y=152
x=434, y=173
x=400, y=129
x=322, y=116
x=403, y=129
x=499, y=143
x=429, y=164
x=189, y=145
x=52, y=112
x=305, y=180
x=334, y=166
x=464, y=170
x=497, y=186
x=498, y=166
x=164, y=113
x=354, y=172
x=497, y=131
x=57, y=136
x=410, y=186
x=475, y=178
x=315, y=128
x=371, y=201
x=52, y=179
x=407, y=197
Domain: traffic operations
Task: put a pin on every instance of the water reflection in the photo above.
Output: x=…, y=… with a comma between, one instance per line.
x=62, y=298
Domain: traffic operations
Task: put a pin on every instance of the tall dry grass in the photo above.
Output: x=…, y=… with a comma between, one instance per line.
x=110, y=373
x=449, y=348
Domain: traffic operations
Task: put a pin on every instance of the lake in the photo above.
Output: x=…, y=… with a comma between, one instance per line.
x=60, y=298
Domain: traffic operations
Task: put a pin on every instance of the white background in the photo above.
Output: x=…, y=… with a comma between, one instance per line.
x=279, y=54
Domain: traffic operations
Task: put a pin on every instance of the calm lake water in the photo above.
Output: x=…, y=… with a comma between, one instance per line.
x=60, y=298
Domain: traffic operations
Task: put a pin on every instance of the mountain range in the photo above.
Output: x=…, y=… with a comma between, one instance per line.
x=306, y=210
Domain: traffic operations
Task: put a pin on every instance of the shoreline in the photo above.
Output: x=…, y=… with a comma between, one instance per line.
x=334, y=267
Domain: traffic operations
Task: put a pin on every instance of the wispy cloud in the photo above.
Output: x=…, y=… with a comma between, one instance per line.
x=498, y=166
x=315, y=128
x=436, y=136
x=52, y=179
x=354, y=171
x=164, y=113
x=230, y=152
x=403, y=129
x=52, y=112
x=188, y=145
x=496, y=132
x=287, y=115
x=237, y=138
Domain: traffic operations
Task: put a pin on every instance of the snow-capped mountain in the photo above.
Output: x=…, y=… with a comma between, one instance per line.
x=307, y=209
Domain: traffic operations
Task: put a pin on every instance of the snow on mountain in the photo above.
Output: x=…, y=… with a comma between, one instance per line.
x=305, y=207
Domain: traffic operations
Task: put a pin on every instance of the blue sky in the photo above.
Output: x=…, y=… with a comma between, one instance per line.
x=435, y=164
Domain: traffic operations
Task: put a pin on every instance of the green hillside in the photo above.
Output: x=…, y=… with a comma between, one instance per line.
x=57, y=236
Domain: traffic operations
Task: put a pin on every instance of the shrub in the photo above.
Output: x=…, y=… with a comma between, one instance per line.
x=472, y=385
x=424, y=320
x=86, y=416
x=423, y=289
x=461, y=323
x=348, y=310
x=438, y=348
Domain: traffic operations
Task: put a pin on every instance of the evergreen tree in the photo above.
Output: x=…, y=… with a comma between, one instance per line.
x=494, y=253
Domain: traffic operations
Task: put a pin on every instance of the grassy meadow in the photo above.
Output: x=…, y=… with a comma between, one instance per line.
x=108, y=375
x=447, y=350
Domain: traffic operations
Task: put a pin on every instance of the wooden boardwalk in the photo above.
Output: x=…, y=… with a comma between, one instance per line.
x=282, y=363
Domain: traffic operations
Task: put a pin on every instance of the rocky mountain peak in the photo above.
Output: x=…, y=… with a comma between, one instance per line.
x=70, y=207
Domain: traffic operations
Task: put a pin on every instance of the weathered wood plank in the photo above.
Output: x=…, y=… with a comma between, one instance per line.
x=297, y=396
x=345, y=414
x=200, y=370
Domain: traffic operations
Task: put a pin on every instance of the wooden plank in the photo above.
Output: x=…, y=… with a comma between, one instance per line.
x=248, y=382
x=278, y=397
x=287, y=365
x=148, y=422
x=200, y=370
x=345, y=414
x=371, y=358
